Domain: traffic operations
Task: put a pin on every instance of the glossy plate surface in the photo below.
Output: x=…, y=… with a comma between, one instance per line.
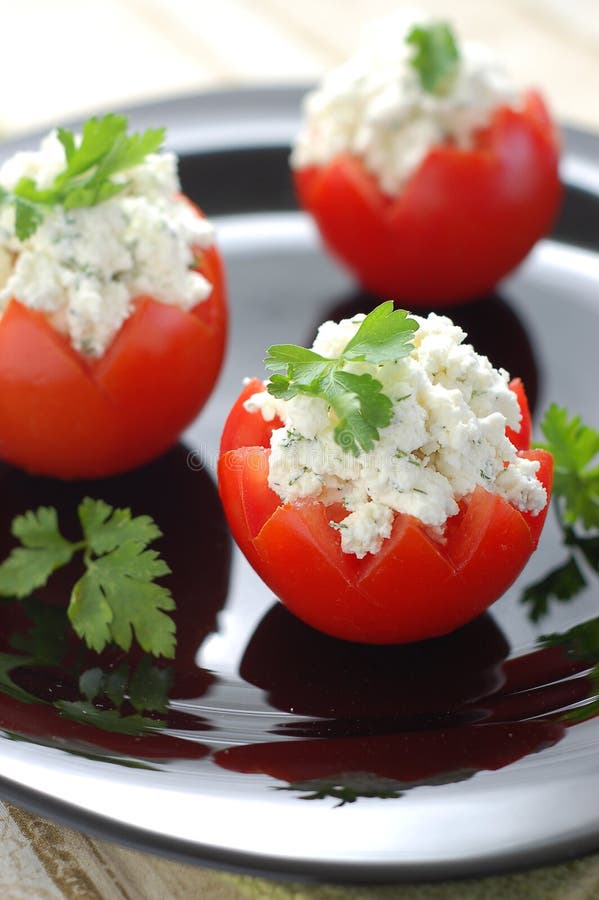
x=284, y=750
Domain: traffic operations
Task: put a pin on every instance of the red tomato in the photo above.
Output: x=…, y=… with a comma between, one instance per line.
x=414, y=588
x=64, y=415
x=463, y=220
x=243, y=430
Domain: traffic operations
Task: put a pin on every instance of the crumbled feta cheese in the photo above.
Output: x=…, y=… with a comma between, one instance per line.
x=447, y=435
x=264, y=403
x=84, y=267
x=366, y=528
x=374, y=107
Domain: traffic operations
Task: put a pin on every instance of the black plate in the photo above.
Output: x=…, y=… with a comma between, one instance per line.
x=284, y=750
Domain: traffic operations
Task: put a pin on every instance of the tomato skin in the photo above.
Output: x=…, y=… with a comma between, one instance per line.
x=414, y=588
x=243, y=429
x=71, y=417
x=463, y=220
x=238, y=472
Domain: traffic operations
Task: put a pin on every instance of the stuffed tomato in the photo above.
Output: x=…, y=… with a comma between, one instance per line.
x=112, y=303
x=383, y=487
x=428, y=174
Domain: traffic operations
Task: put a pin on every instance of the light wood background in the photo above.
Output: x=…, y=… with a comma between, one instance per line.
x=67, y=57
x=61, y=58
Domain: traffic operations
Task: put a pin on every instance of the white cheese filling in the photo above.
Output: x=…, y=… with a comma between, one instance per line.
x=84, y=267
x=447, y=435
x=375, y=108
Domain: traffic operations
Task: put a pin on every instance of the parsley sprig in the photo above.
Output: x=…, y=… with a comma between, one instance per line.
x=575, y=448
x=358, y=402
x=117, y=596
x=436, y=56
x=105, y=150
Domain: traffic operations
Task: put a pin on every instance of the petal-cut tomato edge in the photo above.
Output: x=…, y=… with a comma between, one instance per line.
x=210, y=266
x=247, y=511
x=247, y=429
x=321, y=189
x=19, y=312
x=466, y=530
x=313, y=582
x=264, y=528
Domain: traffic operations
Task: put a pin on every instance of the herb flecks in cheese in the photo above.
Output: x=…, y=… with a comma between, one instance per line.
x=83, y=267
x=377, y=106
x=446, y=436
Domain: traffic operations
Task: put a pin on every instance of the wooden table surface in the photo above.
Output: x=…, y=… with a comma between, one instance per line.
x=69, y=57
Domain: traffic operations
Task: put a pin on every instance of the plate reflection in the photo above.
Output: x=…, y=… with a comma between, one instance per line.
x=53, y=689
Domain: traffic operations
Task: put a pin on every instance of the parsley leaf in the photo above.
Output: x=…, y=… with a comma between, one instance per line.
x=361, y=409
x=299, y=362
x=436, y=58
x=358, y=402
x=106, y=528
x=574, y=446
x=28, y=218
x=384, y=336
x=104, y=150
x=117, y=596
x=44, y=550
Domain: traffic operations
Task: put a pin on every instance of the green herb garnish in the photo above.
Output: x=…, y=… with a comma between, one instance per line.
x=575, y=447
x=117, y=595
x=105, y=149
x=358, y=401
x=436, y=58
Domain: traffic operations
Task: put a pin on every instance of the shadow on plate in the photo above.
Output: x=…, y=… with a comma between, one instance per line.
x=389, y=719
